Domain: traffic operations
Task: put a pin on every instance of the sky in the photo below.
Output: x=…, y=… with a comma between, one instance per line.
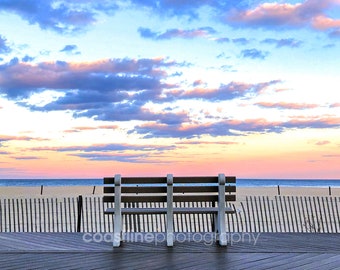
x=138, y=87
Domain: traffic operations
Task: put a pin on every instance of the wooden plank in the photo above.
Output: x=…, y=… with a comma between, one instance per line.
x=322, y=227
x=155, y=198
x=333, y=214
x=137, y=189
x=202, y=198
x=162, y=198
x=202, y=179
x=177, y=189
x=337, y=211
x=290, y=215
x=133, y=210
x=70, y=251
x=137, y=180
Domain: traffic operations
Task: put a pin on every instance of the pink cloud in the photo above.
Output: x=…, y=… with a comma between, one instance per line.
x=311, y=13
x=286, y=105
x=322, y=142
x=323, y=23
x=335, y=105
x=207, y=142
x=78, y=129
x=17, y=138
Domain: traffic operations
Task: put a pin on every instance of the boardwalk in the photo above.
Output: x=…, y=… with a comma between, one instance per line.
x=70, y=251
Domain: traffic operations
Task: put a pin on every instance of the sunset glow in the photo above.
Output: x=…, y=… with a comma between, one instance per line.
x=93, y=88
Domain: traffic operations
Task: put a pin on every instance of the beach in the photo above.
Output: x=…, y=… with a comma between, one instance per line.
x=241, y=193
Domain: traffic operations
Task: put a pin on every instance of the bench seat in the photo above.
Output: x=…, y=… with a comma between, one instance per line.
x=176, y=210
x=140, y=211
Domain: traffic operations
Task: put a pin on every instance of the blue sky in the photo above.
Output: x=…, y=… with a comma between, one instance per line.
x=152, y=87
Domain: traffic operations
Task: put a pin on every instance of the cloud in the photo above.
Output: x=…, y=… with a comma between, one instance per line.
x=254, y=54
x=286, y=105
x=331, y=156
x=5, y=138
x=286, y=42
x=79, y=129
x=70, y=49
x=322, y=22
x=335, y=33
x=114, y=89
x=59, y=16
x=111, y=90
x=27, y=58
x=72, y=16
x=241, y=41
x=188, y=8
x=322, y=142
x=220, y=128
x=176, y=33
x=229, y=91
x=4, y=48
x=26, y=157
x=222, y=40
x=115, y=152
x=310, y=13
x=107, y=148
x=22, y=79
x=335, y=105
x=233, y=127
x=206, y=143
x=120, y=157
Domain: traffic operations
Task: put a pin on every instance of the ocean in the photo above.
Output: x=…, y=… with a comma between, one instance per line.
x=240, y=182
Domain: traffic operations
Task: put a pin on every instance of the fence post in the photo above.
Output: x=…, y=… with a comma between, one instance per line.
x=278, y=190
x=80, y=208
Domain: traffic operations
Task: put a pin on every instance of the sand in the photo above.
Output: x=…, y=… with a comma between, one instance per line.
x=242, y=192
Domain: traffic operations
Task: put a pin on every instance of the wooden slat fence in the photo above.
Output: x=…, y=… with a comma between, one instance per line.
x=291, y=214
x=255, y=214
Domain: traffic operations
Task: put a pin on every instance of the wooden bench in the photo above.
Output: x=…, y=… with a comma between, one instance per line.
x=171, y=191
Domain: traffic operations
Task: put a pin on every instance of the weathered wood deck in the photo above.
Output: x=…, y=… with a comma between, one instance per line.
x=86, y=251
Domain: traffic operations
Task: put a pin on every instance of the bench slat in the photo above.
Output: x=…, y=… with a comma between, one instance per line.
x=182, y=210
x=139, y=211
x=156, y=198
x=177, y=179
x=200, y=210
x=194, y=189
x=202, y=179
x=136, y=189
x=177, y=198
x=137, y=180
x=202, y=198
x=177, y=189
x=194, y=179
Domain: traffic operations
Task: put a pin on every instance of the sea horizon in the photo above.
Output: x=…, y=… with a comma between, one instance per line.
x=241, y=182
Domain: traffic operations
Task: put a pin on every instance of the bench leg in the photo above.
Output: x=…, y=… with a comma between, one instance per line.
x=170, y=230
x=170, y=239
x=222, y=235
x=117, y=232
x=169, y=212
x=118, y=222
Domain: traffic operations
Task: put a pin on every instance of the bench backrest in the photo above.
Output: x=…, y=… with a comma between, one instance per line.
x=203, y=188
x=136, y=189
x=183, y=189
